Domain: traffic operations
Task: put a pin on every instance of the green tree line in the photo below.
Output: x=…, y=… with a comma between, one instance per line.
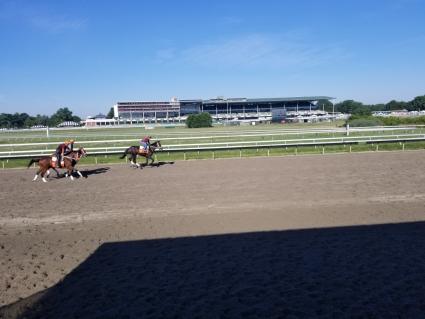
x=358, y=108
x=23, y=120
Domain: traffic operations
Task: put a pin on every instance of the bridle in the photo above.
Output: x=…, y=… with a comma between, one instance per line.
x=156, y=146
x=78, y=154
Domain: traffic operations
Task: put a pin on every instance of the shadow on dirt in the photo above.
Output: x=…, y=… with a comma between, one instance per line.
x=86, y=173
x=157, y=164
x=375, y=271
x=95, y=171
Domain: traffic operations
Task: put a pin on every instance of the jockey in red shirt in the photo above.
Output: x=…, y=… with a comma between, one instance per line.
x=64, y=149
x=146, y=142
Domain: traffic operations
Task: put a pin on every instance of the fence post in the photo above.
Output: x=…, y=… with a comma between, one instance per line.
x=2, y=163
x=350, y=148
x=377, y=147
x=323, y=150
x=296, y=150
x=268, y=152
x=95, y=159
x=213, y=155
x=402, y=146
x=184, y=156
x=240, y=153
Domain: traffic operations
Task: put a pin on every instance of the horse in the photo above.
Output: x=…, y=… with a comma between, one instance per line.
x=133, y=151
x=70, y=160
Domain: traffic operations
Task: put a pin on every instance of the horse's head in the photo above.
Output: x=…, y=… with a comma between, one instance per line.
x=157, y=144
x=81, y=152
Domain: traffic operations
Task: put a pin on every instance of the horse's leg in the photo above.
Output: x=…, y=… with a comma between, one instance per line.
x=70, y=171
x=57, y=173
x=36, y=174
x=132, y=159
x=79, y=173
x=135, y=160
x=43, y=172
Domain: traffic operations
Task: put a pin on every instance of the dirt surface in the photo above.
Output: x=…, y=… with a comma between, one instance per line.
x=308, y=236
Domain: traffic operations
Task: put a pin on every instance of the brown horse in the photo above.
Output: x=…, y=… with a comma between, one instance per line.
x=133, y=151
x=70, y=160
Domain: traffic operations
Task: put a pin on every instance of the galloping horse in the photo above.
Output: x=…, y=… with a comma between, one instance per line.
x=137, y=150
x=70, y=160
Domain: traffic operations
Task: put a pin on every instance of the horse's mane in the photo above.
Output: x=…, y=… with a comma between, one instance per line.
x=156, y=142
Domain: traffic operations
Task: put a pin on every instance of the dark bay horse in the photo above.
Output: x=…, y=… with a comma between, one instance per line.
x=133, y=151
x=45, y=163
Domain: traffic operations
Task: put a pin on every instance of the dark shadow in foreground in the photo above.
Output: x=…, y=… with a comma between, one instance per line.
x=345, y=272
x=87, y=172
x=157, y=164
x=99, y=170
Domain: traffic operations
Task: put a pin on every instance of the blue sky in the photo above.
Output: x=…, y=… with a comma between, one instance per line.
x=87, y=55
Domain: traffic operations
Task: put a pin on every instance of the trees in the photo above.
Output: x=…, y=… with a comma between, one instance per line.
x=395, y=105
x=326, y=105
x=63, y=115
x=348, y=106
x=199, y=120
x=353, y=107
x=417, y=104
x=6, y=120
x=23, y=120
x=16, y=120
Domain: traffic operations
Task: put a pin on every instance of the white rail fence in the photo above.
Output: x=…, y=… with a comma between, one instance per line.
x=270, y=144
x=221, y=133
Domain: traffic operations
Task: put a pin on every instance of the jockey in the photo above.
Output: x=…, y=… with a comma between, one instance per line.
x=61, y=150
x=64, y=149
x=70, y=147
x=146, y=142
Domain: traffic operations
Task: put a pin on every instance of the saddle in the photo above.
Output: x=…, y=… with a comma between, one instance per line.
x=55, y=163
x=143, y=151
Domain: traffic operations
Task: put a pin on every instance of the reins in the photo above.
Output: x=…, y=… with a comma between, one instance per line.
x=78, y=155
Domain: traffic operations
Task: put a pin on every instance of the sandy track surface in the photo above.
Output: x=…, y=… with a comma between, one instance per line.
x=260, y=237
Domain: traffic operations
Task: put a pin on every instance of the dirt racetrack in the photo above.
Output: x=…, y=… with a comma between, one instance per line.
x=309, y=236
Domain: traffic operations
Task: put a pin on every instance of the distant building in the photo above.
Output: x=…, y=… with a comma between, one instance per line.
x=399, y=113
x=98, y=116
x=99, y=120
x=220, y=108
x=68, y=124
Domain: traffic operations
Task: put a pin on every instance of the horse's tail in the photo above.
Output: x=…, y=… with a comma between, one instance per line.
x=125, y=153
x=33, y=160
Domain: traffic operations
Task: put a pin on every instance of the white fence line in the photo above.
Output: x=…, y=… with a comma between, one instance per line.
x=234, y=143
x=215, y=137
x=119, y=150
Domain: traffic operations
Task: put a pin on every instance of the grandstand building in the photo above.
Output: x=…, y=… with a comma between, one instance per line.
x=221, y=109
